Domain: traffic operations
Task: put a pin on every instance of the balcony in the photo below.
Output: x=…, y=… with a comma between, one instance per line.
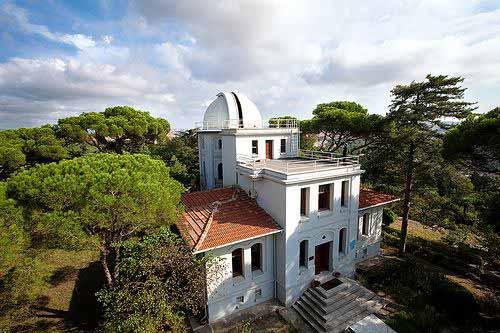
x=306, y=161
x=236, y=123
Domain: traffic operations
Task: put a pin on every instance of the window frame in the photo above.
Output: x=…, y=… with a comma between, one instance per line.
x=342, y=246
x=241, y=271
x=255, y=147
x=328, y=200
x=344, y=194
x=283, y=146
x=365, y=224
x=303, y=254
x=220, y=171
x=304, y=191
x=255, y=269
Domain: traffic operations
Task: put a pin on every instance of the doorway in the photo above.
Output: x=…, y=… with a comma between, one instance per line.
x=269, y=149
x=322, y=257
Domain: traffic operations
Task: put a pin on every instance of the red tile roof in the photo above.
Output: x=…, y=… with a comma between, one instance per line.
x=222, y=216
x=369, y=198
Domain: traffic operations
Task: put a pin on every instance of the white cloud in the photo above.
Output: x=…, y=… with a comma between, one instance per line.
x=286, y=56
x=19, y=17
x=107, y=39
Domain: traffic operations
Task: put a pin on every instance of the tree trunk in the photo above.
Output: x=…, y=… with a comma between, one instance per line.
x=105, y=266
x=407, y=197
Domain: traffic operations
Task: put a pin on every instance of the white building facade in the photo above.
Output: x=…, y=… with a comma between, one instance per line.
x=322, y=226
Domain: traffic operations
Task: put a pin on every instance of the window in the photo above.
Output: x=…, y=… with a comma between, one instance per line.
x=256, y=252
x=324, y=197
x=237, y=262
x=283, y=146
x=342, y=240
x=365, y=228
x=345, y=193
x=303, y=253
x=258, y=294
x=219, y=143
x=304, y=201
x=240, y=299
x=255, y=147
x=220, y=172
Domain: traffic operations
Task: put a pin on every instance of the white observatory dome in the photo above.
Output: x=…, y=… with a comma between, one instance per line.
x=232, y=110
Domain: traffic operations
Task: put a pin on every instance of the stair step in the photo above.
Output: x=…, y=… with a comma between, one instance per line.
x=333, y=291
x=355, y=303
x=340, y=300
x=317, y=318
x=317, y=303
x=308, y=318
x=343, y=326
x=347, y=315
x=317, y=310
x=337, y=310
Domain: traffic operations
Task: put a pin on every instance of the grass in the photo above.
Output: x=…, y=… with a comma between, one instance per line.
x=54, y=310
x=433, y=286
x=416, y=229
x=65, y=266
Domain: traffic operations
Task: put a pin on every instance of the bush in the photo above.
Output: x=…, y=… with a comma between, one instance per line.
x=458, y=303
x=388, y=216
x=160, y=282
x=457, y=236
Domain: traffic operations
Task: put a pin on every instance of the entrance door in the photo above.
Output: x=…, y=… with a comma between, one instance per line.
x=269, y=149
x=322, y=258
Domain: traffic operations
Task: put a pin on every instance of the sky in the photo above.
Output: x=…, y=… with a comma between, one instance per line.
x=171, y=58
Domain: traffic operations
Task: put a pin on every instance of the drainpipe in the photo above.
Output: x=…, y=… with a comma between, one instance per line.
x=205, y=316
x=275, y=266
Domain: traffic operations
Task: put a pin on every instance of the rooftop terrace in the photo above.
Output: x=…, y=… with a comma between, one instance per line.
x=306, y=161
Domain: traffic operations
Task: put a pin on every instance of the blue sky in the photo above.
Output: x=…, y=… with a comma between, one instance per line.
x=171, y=58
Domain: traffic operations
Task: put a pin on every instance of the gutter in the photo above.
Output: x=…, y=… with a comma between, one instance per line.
x=380, y=204
x=236, y=242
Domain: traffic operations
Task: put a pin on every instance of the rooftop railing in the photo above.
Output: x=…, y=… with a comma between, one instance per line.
x=305, y=160
x=237, y=123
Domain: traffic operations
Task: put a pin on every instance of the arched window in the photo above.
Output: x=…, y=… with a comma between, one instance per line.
x=256, y=251
x=303, y=253
x=237, y=262
x=219, y=171
x=342, y=240
x=365, y=228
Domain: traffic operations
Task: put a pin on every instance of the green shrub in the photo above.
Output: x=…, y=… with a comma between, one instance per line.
x=457, y=236
x=388, y=216
x=457, y=302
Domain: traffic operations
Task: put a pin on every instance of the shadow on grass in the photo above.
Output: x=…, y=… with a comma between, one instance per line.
x=84, y=311
x=62, y=274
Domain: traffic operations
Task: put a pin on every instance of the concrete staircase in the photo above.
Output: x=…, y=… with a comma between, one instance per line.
x=335, y=309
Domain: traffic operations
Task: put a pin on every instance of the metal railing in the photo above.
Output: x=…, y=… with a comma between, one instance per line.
x=237, y=123
x=306, y=160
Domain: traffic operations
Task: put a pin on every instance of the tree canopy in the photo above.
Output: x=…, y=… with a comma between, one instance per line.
x=28, y=146
x=181, y=155
x=340, y=124
x=476, y=140
x=105, y=198
x=118, y=129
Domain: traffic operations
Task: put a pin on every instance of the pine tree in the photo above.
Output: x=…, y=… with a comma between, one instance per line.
x=417, y=112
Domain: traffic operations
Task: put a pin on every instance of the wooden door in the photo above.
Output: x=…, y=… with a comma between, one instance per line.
x=269, y=149
x=322, y=258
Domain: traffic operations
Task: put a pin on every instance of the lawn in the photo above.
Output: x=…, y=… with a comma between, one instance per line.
x=67, y=303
